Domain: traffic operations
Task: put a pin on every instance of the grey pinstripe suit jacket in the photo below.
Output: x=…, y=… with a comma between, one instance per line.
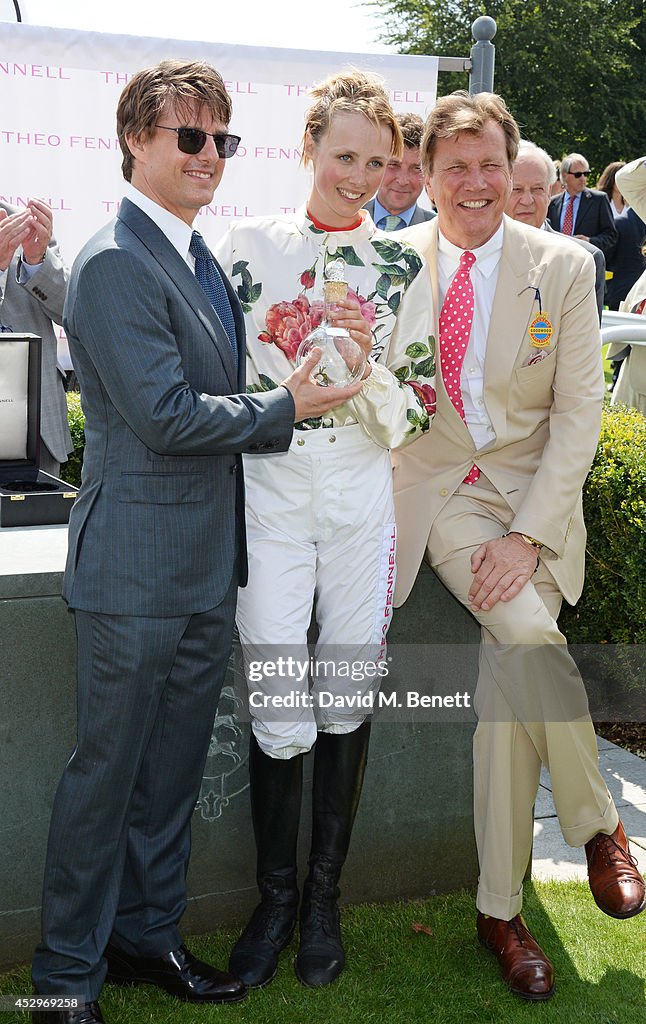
x=32, y=307
x=160, y=517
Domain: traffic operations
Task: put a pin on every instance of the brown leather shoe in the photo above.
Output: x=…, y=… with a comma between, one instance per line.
x=523, y=965
x=616, y=884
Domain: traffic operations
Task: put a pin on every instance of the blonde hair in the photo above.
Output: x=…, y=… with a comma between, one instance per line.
x=462, y=112
x=351, y=92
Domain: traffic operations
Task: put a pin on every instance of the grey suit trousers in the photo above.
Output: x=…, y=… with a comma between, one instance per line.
x=120, y=839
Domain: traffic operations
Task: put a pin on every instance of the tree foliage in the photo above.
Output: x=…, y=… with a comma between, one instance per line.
x=573, y=74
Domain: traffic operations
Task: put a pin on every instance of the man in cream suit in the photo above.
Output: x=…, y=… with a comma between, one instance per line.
x=492, y=497
x=631, y=382
x=632, y=180
x=157, y=550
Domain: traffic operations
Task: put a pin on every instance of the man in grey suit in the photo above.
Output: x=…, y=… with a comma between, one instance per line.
x=395, y=205
x=33, y=283
x=156, y=550
x=580, y=211
x=534, y=174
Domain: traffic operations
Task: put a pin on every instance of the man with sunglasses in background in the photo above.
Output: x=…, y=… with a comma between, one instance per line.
x=156, y=550
x=580, y=211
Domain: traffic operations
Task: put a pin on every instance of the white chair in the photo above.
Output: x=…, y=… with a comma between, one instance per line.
x=628, y=330
x=630, y=388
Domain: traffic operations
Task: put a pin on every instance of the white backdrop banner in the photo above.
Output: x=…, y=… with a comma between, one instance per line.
x=59, y=95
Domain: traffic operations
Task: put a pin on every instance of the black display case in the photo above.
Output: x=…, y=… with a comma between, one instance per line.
x=28, y=496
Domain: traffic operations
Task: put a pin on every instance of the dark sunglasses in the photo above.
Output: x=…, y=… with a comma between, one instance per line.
x=575, y=174
x=193, y=140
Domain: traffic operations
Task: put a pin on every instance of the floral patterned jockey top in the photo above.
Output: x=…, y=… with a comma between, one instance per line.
x=276, y=265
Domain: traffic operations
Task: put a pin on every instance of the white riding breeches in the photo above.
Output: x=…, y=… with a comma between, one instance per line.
x=320, y=528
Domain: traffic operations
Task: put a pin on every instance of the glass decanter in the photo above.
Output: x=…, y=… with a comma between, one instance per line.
x=342, y=360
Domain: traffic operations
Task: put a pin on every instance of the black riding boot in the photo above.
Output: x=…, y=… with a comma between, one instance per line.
x=276, y=790
x=339, y=767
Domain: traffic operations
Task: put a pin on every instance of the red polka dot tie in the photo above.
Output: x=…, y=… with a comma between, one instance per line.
x=456, y=319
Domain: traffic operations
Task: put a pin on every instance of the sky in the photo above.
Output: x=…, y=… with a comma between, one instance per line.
x=335, y=25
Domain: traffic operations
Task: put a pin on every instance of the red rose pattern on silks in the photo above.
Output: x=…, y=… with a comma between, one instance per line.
x=426, y=395
x=289, y=323
x=368, y=309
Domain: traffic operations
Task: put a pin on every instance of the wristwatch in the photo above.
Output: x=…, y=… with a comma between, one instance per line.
x=532, y=540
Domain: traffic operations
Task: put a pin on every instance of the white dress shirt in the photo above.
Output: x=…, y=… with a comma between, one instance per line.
x=484, y=277
x=177, y=231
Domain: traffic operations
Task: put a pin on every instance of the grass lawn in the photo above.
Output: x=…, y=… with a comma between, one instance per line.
x=396, y=975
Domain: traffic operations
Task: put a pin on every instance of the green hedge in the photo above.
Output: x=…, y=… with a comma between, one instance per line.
x=71, y=470
x=612, y=608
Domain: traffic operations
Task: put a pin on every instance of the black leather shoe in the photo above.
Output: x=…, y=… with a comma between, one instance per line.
x=90, y=1014
x=254, y=958
x=179, y=973
x=321, y=957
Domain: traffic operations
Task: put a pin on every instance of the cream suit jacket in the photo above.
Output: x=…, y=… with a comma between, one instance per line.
x=631, y=179
x=546, y=415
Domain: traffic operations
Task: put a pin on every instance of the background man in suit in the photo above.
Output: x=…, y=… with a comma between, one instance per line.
x=492, y=496
x=33, y=283
x=533, y=176
x=157, y=548
x=395, y=205
x=580, y=211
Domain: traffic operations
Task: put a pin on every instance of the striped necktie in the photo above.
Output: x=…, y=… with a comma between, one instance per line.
x=391, y=223
x=568, y=222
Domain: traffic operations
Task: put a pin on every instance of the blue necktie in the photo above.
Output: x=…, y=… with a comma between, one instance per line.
x=209, y=279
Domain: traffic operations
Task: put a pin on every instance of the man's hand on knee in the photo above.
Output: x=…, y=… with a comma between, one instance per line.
x=501, y=568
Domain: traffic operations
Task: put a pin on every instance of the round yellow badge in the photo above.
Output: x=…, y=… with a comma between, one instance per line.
x=541, y=331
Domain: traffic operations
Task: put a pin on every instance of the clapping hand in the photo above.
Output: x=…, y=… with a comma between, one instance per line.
x=30, y=228
x=34, y=246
